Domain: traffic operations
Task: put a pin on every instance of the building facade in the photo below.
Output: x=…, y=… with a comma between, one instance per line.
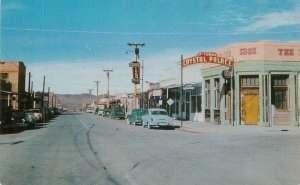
x=13, y=73
x=262, y=89
x=184, y=103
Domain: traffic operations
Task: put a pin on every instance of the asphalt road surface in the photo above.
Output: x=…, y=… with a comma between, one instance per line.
x=85, y=149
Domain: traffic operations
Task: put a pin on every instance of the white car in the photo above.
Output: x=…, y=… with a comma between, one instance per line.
x=89, y=110
x=157, y=117
x=100, y=112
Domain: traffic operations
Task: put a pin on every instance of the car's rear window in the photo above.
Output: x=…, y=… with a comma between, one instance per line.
x=142, y=111
x=158, y=112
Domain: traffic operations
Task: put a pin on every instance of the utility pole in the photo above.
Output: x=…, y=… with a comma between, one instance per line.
x=29, y=81
x=143, y=84
x=29, y=93
x=90, y=92
x=107, y=71
x=181, y=90
x=52, y=99
x=135, y=64
x=43, y=93
x=97, y=84
x=48, y=97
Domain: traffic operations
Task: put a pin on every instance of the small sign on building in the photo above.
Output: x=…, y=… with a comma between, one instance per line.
x=170, y=101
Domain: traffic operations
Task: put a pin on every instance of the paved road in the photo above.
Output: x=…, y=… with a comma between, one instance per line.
x=81, y=148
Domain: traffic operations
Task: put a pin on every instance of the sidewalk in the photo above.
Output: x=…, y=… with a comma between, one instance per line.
x=204, y=127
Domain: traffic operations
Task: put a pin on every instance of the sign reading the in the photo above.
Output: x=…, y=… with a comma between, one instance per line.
x=286, y=52
x=207, y=57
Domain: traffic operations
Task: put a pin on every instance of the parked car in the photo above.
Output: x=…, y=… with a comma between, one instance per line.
x=117, y=112
x=89, y=110
x=30, y=118
x=100, y=112
x=37, y=113
x=105, y=112
x=157, y=117
x=136, y=116
x=15, y=118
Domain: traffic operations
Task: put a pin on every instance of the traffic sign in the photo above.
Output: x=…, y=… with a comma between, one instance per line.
x=170, y=101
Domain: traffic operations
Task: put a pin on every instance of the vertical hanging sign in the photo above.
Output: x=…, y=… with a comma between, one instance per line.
x=135, y=72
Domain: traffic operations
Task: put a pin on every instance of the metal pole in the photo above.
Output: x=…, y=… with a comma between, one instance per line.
x=232, y=96
x=97, y=84
x=135, y=87
x=107, y=71
x=48, y=97
x=143, y=83
x=136, y=60
x=181, y=90
x=28, y=93
x=52, y=99
x=43, y=110
x=108, y=90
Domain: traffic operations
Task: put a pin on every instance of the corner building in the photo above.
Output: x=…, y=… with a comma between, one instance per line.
x=263, y=88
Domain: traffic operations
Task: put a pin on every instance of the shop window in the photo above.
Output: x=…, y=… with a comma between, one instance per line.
x=217, y=94
x=280, y=91
x=207, y=94
x=250, y=81
x=196, y=99
x=199, y=104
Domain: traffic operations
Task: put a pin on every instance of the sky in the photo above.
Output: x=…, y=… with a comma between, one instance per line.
x=71, y=42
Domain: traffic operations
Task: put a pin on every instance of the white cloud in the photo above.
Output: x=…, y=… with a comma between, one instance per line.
x=273, y=20
x=64, y=77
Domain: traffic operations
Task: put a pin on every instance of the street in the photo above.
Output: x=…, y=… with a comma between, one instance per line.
x=86, y=149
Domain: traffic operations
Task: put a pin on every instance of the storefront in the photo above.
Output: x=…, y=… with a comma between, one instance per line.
x=191, y=96
x=262, y=88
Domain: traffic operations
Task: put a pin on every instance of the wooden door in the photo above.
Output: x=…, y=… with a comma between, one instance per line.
x=251, y=109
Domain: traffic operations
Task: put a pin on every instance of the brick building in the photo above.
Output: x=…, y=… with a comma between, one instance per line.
x=14, y=74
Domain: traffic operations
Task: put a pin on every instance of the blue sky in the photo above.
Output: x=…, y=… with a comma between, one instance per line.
x=71, y=41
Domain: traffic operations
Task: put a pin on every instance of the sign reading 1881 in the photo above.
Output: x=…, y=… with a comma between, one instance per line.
x=207, y=57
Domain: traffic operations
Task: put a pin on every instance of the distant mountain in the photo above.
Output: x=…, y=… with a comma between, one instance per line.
x=76, y=101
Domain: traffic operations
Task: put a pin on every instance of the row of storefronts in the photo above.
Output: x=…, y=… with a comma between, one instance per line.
x=253, y=83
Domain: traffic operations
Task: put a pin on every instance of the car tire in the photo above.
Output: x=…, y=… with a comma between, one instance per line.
x=134, y=123
x=31, y=125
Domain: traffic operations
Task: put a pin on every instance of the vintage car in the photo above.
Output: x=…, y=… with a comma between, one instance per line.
x=37, y=114
x=117, y=112
x=136, y=116
x=105, y=112
x=15, y=118
x=89, y=110
x=157, y=117
x=100, y=112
